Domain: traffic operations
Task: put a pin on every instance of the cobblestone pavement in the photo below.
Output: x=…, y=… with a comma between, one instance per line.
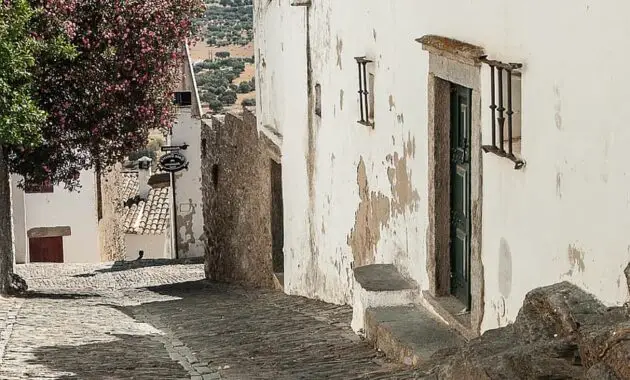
x=161, y=320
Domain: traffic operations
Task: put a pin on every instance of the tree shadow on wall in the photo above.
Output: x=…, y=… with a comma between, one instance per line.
x=127, y=357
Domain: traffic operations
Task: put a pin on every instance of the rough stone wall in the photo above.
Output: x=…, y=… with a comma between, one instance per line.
x=237, y=199
x=110, y=235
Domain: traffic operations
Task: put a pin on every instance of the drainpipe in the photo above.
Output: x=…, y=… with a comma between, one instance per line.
x=174, y=207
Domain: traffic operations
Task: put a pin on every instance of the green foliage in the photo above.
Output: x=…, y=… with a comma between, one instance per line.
x=21, y=118
x=222, y=54
x=249, y=102
x=229, y=22
x=244, y=87
x=214, y=80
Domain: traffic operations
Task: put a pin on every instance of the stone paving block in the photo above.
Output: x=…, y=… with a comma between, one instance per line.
x=154, y=320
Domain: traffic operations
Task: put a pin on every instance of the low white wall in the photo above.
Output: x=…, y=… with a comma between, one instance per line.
x=154, y=246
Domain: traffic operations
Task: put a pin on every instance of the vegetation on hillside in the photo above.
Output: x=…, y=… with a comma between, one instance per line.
x=214, y=81
x=228, y=22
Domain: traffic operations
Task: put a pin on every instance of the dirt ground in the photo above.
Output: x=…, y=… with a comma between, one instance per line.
x=201, y=50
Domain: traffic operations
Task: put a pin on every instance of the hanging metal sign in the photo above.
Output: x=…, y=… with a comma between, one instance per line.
x=173, y=162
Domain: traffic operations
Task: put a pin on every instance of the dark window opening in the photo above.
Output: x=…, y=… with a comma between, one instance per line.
x=215, y=175
x=183, y=98
x=318, y=100
x=366, y=97
x=203, y=147
x=502, y=76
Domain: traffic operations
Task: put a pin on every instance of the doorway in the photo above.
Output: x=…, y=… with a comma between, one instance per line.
x=460, y=207
x=46, y=249
x=277, y=221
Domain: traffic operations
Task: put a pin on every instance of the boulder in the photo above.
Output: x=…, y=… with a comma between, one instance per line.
x=600, y=371
x=561, y=332
x=18, y=284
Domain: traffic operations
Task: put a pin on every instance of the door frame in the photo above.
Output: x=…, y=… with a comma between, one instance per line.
x=457, y=64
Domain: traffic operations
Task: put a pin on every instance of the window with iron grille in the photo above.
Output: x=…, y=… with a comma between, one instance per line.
x=366, y=92
x=505, y=107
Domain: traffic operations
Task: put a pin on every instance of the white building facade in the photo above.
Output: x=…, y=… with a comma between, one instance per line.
x=52, y=224
x=188, y=215
x=412, y=184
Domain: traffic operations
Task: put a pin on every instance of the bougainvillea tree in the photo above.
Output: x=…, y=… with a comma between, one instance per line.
x=102, y=103
x=89, y=109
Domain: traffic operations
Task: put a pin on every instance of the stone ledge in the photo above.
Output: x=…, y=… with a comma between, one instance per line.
x=381, y=278
x=447, y=308
x=409, y=334
x=40, y=232
x=451, y=48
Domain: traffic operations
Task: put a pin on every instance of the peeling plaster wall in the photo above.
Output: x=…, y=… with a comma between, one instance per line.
x=564, y=217
x=188, y=205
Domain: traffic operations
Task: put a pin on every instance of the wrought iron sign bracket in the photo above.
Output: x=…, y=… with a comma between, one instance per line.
x=501, y=71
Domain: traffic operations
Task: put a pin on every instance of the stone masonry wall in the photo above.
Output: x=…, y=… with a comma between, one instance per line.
x=236, y=201
x=111, y=236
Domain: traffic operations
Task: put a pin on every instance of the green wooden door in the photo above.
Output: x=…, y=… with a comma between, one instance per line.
x=460, y=193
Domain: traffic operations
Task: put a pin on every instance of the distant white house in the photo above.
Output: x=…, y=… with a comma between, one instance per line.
x=52, y=224
x=146, y=216
x=188, y=216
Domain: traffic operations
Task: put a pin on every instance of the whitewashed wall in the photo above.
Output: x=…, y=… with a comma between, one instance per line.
x=188, y=207
x=19, y=222
x=564, y=217
x=154, y=246
x=62, y=208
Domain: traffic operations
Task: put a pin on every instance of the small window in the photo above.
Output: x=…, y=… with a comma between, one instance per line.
x=366, y=92
x=318, y=100
x=505, y=107
x=31, y=187
x=183, y=98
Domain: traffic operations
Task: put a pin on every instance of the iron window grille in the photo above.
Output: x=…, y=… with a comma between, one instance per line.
x=500, y=114
x=364, y=100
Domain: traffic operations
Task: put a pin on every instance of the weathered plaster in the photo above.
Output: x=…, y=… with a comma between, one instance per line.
x=371, y=216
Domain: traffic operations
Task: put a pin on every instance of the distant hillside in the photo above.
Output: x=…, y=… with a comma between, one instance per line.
x=224, y=59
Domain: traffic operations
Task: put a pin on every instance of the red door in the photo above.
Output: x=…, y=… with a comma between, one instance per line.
x=46, y=249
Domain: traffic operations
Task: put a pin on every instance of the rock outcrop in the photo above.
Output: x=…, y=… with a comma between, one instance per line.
x=561, y=332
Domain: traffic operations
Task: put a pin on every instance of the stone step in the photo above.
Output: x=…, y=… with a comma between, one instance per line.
x=379, y=285
x=408, y=334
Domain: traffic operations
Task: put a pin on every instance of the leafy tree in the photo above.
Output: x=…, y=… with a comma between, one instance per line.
x=244, y=87
x=222, y=54
x=21, y=118
x=98, y=105
x=228, y=97
x=249, y=102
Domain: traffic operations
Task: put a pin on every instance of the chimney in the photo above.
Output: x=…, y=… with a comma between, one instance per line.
x=144, y=173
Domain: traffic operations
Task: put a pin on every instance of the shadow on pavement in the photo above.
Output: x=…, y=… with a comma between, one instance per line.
x=136, y=264
x=127, y=357
x=57, y=296
x=264, y=334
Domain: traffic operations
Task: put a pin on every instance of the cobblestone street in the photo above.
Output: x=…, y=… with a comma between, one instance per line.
x=162, y=320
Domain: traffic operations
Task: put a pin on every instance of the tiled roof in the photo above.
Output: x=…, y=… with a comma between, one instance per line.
x=144, y=216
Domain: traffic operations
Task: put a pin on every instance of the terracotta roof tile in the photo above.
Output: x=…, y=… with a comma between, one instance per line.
x=150, y=216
